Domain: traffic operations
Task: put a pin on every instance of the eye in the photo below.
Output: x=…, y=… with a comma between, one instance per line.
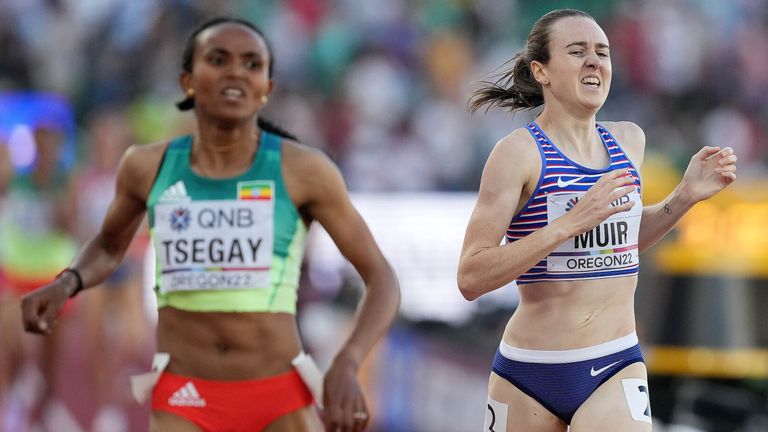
x=602, y=54
x=254, y=64
x=216, y=60
x=577, y=52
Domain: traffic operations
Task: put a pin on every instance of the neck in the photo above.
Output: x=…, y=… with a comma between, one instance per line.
x=568, y=127
x=222, y=149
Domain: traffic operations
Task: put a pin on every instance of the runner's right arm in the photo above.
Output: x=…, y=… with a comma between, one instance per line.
x=101, y=255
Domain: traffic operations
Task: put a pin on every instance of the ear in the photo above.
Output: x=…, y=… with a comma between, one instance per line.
x=185, y=81
x=270, y=87
x=539, y=72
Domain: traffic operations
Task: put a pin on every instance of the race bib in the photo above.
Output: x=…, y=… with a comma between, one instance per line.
x=213, y=245
x=611, y=245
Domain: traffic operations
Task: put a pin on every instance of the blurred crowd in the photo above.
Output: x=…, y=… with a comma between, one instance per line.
x=380, y=85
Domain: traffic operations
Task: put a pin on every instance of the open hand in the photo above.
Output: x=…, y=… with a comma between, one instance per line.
x=602, y=200
x=711, y=169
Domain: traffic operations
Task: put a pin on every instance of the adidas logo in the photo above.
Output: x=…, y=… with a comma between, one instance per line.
x=187, y=395
x=175, y=192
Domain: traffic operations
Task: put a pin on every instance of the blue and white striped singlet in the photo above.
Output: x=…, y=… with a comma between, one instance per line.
x=609, y=249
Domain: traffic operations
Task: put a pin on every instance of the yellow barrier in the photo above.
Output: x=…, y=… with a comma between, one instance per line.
x=706, y=362
x=725, y=235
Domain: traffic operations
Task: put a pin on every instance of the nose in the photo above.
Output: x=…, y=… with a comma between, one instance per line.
x=236, y=69
x=593, y=61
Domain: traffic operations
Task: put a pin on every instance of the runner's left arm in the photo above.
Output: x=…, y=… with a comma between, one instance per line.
x=711, y=170
x=331, y=206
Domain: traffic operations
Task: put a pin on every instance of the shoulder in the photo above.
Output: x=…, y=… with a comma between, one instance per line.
x=303, y=157
x=143, y=157
x=310, y=175
x=631, y=138
x=139, y=165
x=518, y=151
x=519, y=142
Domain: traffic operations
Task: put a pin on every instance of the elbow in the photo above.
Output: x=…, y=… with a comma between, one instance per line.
x=467, y=285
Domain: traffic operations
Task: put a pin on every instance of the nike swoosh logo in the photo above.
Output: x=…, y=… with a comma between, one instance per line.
x=595, y=373
x=562, y=184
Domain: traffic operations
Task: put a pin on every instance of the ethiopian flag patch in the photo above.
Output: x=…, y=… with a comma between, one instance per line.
x=255, y=190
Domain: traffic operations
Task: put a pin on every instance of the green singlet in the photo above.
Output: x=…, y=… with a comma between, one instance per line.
x=33, y=248
x=225, y=245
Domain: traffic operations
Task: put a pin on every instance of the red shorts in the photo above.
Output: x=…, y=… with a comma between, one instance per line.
x=21, y=285
x=231, y=406
x=17, y=287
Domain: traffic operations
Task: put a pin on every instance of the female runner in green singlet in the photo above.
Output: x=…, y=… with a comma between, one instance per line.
x=229, y=208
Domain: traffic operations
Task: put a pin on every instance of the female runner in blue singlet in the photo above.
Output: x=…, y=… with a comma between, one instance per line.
x=565, y=194
x=229, y=208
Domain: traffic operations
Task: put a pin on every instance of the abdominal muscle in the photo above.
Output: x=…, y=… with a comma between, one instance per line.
x=227, y=346
x=572, y=314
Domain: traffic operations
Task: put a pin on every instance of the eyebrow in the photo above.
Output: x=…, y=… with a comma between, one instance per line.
x=584, y=44
x=248, y=54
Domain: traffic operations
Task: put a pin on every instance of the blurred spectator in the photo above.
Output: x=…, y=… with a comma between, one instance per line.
x=35, y=227
x=118, y=332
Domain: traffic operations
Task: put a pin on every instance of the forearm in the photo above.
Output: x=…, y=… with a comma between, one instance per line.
x=659, y=219
x=494, y=267
x=375, y=313
x=96, y=261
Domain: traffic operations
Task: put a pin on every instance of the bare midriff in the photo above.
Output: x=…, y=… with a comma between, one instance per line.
x=572, y=314
x=227, y=346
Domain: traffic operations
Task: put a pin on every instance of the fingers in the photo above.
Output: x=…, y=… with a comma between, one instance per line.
x=32, y=312
x=616, y=174
x=38, y=316
x=729, y=176
x=613, y=180
x=620, y=192
x=335, y=419
x=48, y=318
x=727, y=168
x=351, y=416
x=727, y=159
x=360, y=416
x=706, y=152
x=617, y=204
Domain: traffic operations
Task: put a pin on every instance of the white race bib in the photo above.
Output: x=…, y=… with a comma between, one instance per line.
x=216, y=244
x=611, y=245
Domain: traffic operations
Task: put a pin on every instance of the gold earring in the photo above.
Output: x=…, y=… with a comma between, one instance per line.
x=545, y=82
x=264, y=99
x=190, y=92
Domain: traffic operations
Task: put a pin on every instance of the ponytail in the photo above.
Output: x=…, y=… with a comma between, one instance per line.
x=516, y=88
x=270, y=127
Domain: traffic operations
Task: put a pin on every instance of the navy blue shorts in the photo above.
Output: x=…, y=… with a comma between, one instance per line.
x=562, y=381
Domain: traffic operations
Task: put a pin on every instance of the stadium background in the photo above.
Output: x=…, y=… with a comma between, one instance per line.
x=381, y=86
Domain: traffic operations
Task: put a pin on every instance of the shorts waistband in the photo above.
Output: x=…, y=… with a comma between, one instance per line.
x=571, y=355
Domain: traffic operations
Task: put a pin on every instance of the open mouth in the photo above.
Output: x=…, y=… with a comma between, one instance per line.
x=232, y=93
x=592, y=82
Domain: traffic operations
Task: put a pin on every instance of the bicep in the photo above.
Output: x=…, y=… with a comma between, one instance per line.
x=499, y=195
x=126, y=211
x=121, y=222
x=632, y=139
x=333, y=209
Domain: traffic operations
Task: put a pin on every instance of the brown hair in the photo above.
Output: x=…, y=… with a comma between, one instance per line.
x=516, y=88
